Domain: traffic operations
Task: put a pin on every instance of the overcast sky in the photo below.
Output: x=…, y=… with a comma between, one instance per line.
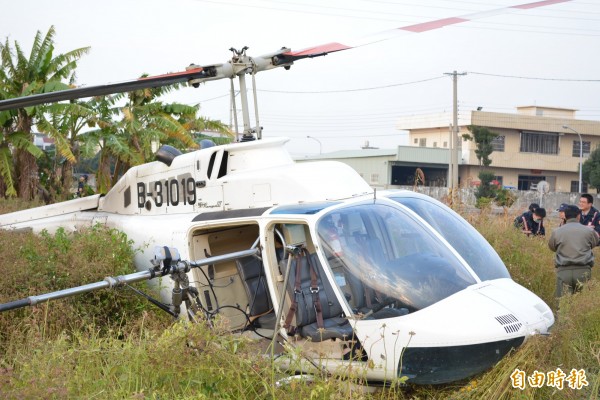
x=547, y=56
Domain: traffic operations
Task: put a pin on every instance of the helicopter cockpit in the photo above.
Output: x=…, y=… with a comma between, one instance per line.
x=386, y=263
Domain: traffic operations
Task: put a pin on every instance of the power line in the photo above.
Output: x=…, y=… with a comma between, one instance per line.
x=303, y=11
x=528, y=31
x=349, y=90
x=404, y=84
x=535, y=78
x=414, y=18
x=330, y=91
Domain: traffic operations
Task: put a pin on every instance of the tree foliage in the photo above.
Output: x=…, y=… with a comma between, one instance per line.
x=486, y=189
x=21, y=75
x=591, y=169
x=505, y=198
x=126, y=127
x=128, y=134
x=490, y=192
x=483, y=138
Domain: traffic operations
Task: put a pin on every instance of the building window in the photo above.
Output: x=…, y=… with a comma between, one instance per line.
x=423, y=142
x=525, y=181
x=575, y=187
x=586, y=148
x=374, y=178
x=434, y=144
x=445, y=144
x=416, y=140
x=542, y=143
x=498, y=143
x=499, y=180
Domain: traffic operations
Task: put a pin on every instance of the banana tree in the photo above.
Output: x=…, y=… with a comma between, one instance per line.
x=40, y=72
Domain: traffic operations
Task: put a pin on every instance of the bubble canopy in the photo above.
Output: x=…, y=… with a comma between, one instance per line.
x=383, y=259
x=469, y=243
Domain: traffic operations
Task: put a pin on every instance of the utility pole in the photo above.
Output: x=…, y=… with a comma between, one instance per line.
x=453, y=184
x=451, y=151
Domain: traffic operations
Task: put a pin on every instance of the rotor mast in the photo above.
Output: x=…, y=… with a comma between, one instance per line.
x=242, y=65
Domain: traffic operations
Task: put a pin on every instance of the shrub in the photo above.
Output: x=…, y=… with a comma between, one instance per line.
x=486, y=189
x=38, y=264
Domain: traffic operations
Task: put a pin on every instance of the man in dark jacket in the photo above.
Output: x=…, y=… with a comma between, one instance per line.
x=527, y=215
x=589, y=215
x=532, y=223
x=574, y=259
x=561, y=214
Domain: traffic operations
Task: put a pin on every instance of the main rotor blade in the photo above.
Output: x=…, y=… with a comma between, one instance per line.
x=325, y=49
x=90, y=91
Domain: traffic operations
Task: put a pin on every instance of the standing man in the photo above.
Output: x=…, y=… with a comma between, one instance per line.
x=589, y=215
x=574, y=259
x=80, y=186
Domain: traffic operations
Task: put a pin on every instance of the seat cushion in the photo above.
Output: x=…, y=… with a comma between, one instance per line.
x=333, y=328
x=266, y=321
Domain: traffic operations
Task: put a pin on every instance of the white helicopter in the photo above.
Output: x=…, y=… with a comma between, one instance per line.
x=391, y=284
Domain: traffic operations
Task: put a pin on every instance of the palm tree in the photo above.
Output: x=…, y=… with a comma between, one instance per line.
x=18, y=141
x=64, y=122
x=41, y=72
x=127, y=135
x=104, y=140
x=147, y=122
x=199, y=126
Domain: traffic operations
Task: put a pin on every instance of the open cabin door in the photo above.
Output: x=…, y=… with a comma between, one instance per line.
x=223, y=287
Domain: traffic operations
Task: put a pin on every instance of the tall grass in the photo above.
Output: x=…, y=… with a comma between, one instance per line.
x=112, y=345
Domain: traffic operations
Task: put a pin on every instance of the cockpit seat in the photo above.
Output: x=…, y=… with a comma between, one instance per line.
x=360, y=294
x=251, y=271
x=335, y=323
x=388, y=312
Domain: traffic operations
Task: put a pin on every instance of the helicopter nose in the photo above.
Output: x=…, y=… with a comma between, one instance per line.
x=503, y=315
x=525, y=306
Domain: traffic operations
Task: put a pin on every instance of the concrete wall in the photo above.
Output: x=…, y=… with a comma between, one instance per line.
x=549, y=201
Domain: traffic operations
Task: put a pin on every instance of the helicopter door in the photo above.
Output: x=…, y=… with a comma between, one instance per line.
x=235, y=290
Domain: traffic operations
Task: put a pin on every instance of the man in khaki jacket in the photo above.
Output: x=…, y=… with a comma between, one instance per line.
x=574, y=259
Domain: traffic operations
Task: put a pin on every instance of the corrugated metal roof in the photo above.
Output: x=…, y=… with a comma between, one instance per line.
x=349, y=154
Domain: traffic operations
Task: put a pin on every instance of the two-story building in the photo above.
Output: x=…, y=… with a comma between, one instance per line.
x=534, y=144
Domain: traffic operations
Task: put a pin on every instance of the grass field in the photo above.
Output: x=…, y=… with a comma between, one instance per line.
x=107, y=344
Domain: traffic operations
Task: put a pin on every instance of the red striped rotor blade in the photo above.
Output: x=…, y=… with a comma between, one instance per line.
x=325, y=49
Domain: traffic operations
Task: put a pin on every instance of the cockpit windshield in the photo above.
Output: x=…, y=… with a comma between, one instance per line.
x=469, y=243
x=386, y=262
